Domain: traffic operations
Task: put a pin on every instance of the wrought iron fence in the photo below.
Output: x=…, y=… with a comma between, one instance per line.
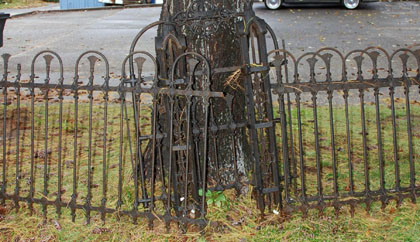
x=83, y=145
x=348, y=127
x=338, y=131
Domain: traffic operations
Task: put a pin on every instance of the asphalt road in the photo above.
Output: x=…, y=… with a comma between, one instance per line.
x=390, y=25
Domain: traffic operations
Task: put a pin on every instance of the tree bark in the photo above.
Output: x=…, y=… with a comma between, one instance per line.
x=219, y=43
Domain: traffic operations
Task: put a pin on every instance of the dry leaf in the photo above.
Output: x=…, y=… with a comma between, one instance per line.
x=57, y=225
x=100, y=230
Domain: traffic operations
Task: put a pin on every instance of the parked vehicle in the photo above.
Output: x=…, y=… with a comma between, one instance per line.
x=349, y=4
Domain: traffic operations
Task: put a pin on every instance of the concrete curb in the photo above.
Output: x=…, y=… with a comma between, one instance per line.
x=19, y=15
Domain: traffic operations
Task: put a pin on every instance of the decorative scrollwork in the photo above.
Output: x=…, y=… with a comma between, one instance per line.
x=204, y=18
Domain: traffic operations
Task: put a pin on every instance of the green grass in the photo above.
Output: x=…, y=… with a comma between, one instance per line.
x=112, y=151
x=341, y=148
x=237, y=220
x=22, y=3
x=240, y=222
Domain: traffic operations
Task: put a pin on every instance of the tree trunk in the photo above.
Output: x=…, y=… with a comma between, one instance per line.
x=218, y=42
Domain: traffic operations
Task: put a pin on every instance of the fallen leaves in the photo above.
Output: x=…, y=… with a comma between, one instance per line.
x=100, y=230
x=57, y=225
x=3, y=210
